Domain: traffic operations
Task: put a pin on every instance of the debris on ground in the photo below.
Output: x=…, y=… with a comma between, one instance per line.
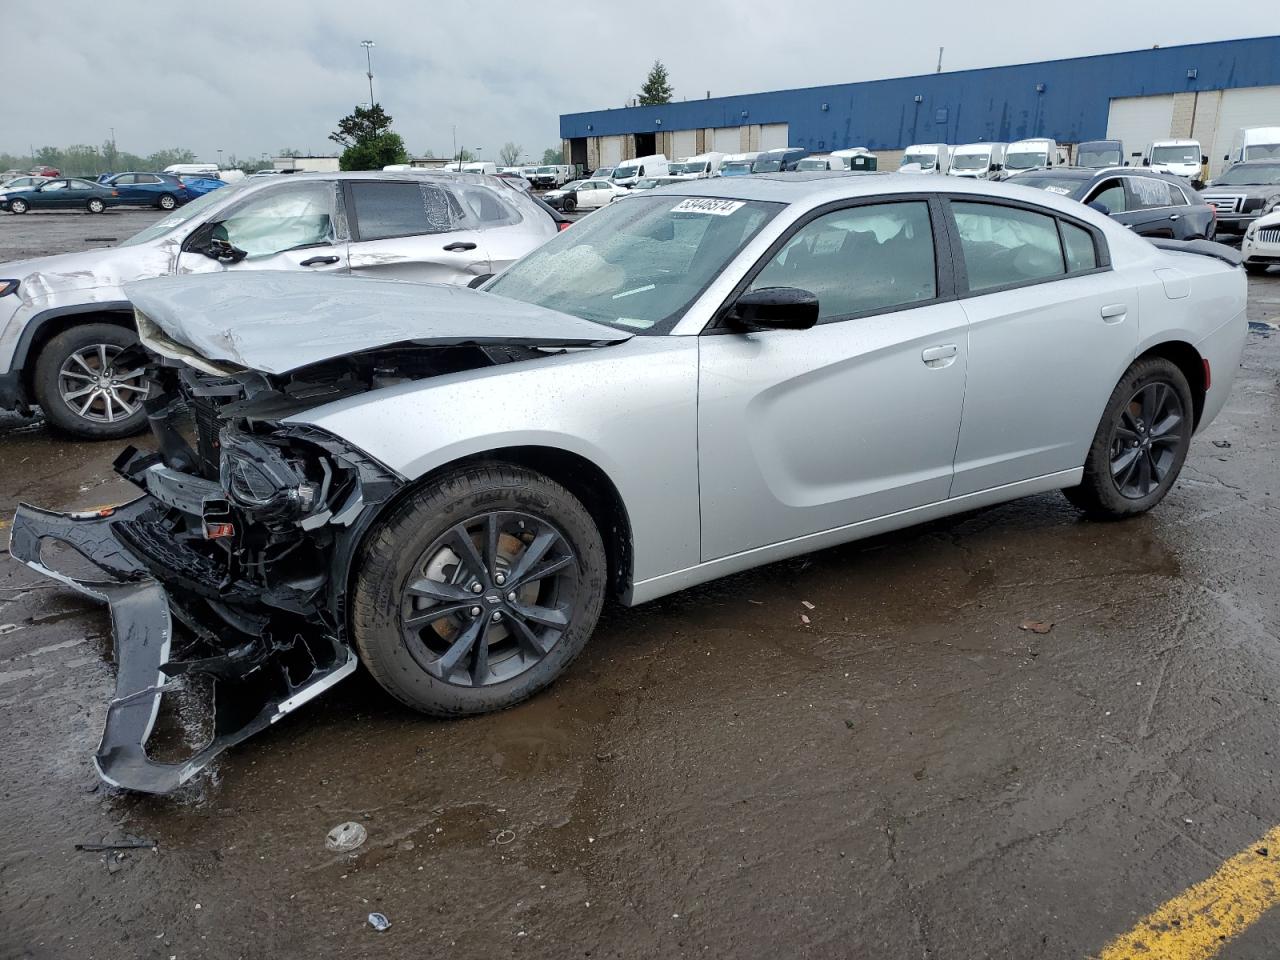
x=805, y=620
x=1222, y=444
x=1035, y=626
x=345, y=837
x=806, y=604
x=850, y=724
x=123, y=843
x=379, y=921
x=505, y=837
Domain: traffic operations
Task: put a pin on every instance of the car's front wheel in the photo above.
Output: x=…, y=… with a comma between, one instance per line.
x=18, y=205
x=81, y=389
x=167, y=201
x=478, y=590
x=568, y=204
x=1141, y=443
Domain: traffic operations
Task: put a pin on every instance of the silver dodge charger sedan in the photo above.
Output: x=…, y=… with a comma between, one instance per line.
x=446, y=483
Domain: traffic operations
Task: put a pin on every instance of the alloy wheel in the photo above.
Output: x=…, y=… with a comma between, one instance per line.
x=95, y=390
x=489, y=598
x=1146, y=438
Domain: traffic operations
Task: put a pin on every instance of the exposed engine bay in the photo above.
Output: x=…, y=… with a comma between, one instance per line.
x=245, y=535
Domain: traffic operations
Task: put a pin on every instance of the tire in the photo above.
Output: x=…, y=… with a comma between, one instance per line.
x=421, y=664
x=18, y=205
x=96, y=206
x=568, y=204
x=167, y=201
x=1257, y=269
x=60, y=380
x=1133, y=463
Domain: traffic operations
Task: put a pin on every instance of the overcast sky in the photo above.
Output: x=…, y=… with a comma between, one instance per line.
x=254, y=77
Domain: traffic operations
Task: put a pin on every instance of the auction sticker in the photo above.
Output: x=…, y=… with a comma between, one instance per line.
x=1060, y=191
x=717, y=208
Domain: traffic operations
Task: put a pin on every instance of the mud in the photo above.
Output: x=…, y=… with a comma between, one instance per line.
x=908, y=774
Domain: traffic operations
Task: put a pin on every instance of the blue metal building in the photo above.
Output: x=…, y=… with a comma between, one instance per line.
x=1069, y=100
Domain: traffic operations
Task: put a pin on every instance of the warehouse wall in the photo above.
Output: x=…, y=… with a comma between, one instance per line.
x=1065, y=99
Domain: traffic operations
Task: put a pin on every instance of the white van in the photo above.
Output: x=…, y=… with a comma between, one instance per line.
x=1255, y=143
x=823, y=161
x=629, y=171
x=1182, y=158
x=737, y=164
x=480, y=166
x=1036, y=152
x=977, y=161
x=926, y=158
x=193, y=169
x=697, y=168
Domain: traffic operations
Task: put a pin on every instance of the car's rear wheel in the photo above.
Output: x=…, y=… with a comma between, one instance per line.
x=1141, y=443
x=95, y=206
x=81, y=391
x=478, y=590
x=568, y=204
x=18, y=205
x=167, y=201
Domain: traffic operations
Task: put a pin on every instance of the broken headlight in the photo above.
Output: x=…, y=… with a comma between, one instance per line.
x=261, y=478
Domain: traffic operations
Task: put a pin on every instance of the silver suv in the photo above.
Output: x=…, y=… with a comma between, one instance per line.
x=64, y=319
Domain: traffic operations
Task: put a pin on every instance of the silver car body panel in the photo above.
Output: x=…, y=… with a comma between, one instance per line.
x=278, y=322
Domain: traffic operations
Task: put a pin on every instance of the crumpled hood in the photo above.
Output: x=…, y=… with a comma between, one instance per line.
x=276, y=322
x=85, y=269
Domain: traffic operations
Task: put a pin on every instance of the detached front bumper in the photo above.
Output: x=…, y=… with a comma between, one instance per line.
x=255, y=681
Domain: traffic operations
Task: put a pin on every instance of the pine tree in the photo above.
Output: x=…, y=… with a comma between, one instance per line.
x=656, y=89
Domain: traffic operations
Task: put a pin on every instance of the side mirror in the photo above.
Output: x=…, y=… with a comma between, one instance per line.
x=1126, y=163
x=774, y=308
x=1203, y=158
x=1101, y=207
x=1146, y=161
x=210, y=241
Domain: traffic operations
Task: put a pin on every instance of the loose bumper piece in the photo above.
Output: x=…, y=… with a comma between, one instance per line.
x=252, y=689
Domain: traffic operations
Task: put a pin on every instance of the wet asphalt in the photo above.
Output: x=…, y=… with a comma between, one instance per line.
x=907, y=774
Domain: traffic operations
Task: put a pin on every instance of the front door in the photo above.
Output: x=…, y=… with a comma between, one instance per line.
x=801, y=431
x=413, y=230
x=289, y=226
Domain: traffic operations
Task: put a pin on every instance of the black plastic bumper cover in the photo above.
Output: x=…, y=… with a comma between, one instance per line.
x=143, y=630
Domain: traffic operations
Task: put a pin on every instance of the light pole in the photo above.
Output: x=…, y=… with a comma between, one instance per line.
x=368, y=58
x=219, y=158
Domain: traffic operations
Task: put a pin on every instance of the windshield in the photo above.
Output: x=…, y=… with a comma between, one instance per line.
x=637, y=265
x=625, y=173
x=1189, y=154
x=646, y=183
x=1263, y=151
x=1099, y=157
x=185, y=214
x=737, y=168
x=546, y=169
x=676, y=169
x=766, y=166
x=970, y=161
x=1267, y=174
x=927, y=161
x=1063, y=186
x=1024, y=160
x=813, y=165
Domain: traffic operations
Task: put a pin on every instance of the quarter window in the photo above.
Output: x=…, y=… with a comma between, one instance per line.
x=397, y=209
x=859, y=260
x=1082, y=255
x=1007, y=246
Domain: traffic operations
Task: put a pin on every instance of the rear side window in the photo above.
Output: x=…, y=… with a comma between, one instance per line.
x=386, y=209
x=488, y=208
x=1082, y=255
x=865, y=259
x=1007, y=246
x=1149, y=193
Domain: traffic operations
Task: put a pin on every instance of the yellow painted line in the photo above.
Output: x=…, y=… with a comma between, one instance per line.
x=1198, y=922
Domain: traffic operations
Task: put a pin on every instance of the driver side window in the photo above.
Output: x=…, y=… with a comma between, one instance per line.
x=300, y=216
x=1111, y=193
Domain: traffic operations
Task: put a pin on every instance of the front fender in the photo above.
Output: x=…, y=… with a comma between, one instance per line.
x=630, y=409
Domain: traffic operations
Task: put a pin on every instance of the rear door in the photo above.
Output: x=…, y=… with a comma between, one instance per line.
x=1051, y=330
x=1152, y=213
x=413, y=230
x=508, y=232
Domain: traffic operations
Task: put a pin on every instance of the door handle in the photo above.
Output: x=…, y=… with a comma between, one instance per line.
x=318, y=261
x=1173, y=216
x=1114, y=312
x=939, y=356
x=459, y=245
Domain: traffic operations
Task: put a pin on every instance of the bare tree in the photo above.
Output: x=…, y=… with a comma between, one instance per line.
x=510, y=154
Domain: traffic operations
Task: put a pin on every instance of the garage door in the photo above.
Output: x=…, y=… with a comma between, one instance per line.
x=1251, y=107
x=726, y=140
x=1139, y=120
x=684, y=143
x=610, y=151
x=773, y=136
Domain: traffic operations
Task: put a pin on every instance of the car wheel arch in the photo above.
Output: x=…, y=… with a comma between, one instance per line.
x=43, y=327
x=1187, y=359
x=593, y=487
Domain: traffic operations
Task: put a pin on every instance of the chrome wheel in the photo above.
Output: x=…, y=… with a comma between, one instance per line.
x=489, y=598
x=96, y=206
x=18, y=206
x=95, y=390
x=167, y=202
x=1145, y=441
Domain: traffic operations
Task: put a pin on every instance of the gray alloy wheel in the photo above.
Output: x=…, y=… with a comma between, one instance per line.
x=1145, y=439
x=96, y=206
x=94, y=390
x=17, y=205
x=166, y=201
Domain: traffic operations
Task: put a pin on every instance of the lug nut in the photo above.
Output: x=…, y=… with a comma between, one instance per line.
x=511, y=597
x=500, y=579
x=475, y=611
x=477, y=588
x=497, y=615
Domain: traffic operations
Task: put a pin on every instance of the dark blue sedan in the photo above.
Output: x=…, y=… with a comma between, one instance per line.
x=62, y=193
x=161, y=190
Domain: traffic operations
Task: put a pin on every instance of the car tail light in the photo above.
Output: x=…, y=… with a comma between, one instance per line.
x=565, y=225
x=1208, y=375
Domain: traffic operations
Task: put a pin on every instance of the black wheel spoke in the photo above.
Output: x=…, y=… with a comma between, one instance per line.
x=491, y=545
x=1166, y=426
x=1144, y=474
x=1124, y=462
x=528, y=641
x=435, y=590
x=465, y=548
x=543, y=541
x=461, y=647
x=480, y=662
x=557, y=617
x=1125, y=434
x=548, y=569
x=428, y=615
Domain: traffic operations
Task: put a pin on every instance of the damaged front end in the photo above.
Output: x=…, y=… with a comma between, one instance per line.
x=245, y=539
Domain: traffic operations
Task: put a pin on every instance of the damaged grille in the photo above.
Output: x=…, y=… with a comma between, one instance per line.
x=204, y=411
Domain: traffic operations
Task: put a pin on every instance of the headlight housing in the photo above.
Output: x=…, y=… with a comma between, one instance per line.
x=1271, y=204
x=260, y=478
